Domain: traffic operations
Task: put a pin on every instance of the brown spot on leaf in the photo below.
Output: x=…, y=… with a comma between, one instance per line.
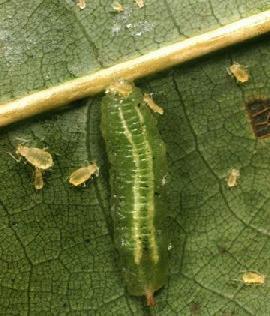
x=259, y=114
x=195, y=309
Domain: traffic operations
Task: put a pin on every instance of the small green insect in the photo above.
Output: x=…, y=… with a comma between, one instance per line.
x=138, y=168
x=37, y=157
x=147, y=98
x=140, y=3
x=233, y=177
x=239, y=72
x=40, y=159
x=81, y=4
x=81, y=175
x=117, y=7
x=253, y=278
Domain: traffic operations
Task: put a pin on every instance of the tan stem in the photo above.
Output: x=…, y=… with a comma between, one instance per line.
x=139, y=67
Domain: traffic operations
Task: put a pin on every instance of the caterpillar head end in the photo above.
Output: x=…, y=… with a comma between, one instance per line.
x=150, y=300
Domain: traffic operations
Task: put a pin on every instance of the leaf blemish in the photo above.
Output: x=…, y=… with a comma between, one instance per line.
x=195, y=308
x=259, y=114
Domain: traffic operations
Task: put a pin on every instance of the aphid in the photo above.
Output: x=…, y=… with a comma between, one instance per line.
x=81, y=4
x=40, y=159
x=117, y=7
x=233, y=177
x=147, y=98
x=120, y=87
x=81, y=175
x=239, y=72
x=253, y=278
x=38, y=182
x=140, y=3
x=37, y=157
x=138, y=164
x=164, y=180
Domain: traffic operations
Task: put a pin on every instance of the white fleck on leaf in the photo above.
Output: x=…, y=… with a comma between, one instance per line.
x=116, y=28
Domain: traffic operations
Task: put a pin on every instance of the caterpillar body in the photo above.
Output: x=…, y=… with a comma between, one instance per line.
x=138, y=168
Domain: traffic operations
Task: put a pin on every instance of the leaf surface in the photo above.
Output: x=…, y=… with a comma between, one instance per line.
x=56, y=246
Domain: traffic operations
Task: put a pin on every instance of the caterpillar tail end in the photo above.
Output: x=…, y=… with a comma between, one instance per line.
x=150, y=300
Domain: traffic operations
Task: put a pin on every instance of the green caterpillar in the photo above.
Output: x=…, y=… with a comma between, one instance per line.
x=138, y=169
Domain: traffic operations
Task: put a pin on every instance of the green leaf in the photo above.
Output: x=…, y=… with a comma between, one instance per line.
x=56, y=248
